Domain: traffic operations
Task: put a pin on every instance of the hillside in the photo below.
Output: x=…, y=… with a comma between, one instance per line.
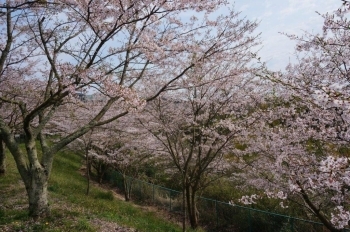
x=71, y=208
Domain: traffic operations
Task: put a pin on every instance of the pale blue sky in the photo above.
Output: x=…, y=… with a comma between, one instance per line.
x=289, y=16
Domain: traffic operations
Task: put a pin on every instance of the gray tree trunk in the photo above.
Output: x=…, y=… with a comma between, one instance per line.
x=37, y=193
x=37, y=180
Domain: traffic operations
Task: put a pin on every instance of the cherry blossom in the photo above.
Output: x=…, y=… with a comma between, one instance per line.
x=123, y=52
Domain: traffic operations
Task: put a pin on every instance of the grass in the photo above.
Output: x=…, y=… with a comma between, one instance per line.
x=71, y=208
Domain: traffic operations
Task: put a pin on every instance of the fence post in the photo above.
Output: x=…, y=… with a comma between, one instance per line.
x=153, y=193
x=170, y=198
x=292, y=225
x=216, y=213
x=140, y=187
x=250, y=221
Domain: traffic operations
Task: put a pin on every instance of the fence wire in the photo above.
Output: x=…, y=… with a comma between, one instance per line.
x=216, y=215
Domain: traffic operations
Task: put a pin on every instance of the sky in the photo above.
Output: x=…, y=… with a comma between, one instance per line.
x=288, y=16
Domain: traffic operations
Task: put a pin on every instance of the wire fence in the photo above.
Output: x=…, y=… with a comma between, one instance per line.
x=216, y=215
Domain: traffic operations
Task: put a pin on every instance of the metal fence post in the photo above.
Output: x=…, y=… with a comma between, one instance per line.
x=170, y=198
x=216, y=213
x=292, y=225
x=250, y=221
x=140, y=194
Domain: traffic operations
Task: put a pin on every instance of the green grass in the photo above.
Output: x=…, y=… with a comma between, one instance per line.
x=71, y=208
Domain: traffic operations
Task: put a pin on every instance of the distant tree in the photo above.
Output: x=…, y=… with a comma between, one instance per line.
x=118, y=148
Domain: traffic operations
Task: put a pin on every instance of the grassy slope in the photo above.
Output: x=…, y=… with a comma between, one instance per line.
x=72, y=210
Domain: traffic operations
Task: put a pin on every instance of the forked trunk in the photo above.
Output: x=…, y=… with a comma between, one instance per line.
x=37, y=193
x=192, y=208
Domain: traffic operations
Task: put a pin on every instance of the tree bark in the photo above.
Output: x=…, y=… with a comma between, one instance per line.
x=192, y=207
x=184, y=205
x=2, y=158
x=127, y=189
x=37, y=193
x=34, y=174
x=100, y=168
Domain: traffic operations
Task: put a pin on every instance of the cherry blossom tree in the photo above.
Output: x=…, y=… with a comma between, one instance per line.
x=83, y=145
x=196, y=126
x=290, y=161
x=114, y=146
x=296, y=151
x=118, y=49
x=118, y=147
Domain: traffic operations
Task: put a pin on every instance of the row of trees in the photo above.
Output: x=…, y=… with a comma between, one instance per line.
x=181, y=91
x=127, y=52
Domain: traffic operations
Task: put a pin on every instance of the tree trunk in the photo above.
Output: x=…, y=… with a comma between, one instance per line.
x=101, y=169
x=127, y=195
x=2, y=158
x=184, y=205
x=127, y=189
x=316, y=211
x=192, y=207
x=36, y=181
x=37, y=193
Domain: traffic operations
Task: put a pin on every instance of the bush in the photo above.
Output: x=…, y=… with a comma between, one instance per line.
x=105, y=195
